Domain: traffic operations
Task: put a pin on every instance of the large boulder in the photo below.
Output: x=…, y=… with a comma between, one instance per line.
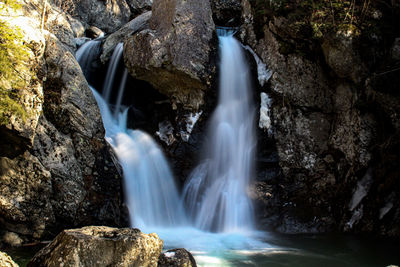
x=6, y=261
x=108, y=15
x=174, y=55
x=139, y=6
x=100, y=246
x=137, y=24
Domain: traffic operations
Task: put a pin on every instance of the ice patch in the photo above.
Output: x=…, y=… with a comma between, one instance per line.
x=361, y=191
x=265, y=108
x=166, y=132
x=264, y=74
x=169, y=254
x=190, y=120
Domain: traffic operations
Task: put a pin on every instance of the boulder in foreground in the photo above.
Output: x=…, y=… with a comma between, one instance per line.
x=100, y=246
x=6, y=261
x=178, y=257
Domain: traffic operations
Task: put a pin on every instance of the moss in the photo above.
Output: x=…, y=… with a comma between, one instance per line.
x=15, y=72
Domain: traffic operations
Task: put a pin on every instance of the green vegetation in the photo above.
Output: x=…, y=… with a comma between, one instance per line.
x=14, y=67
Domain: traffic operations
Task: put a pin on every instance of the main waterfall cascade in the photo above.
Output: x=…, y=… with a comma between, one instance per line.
x=220, y=212
x=216, y=190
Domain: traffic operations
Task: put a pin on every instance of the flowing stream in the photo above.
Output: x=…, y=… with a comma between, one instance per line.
x=217, y=203
x=151, y=193
x=216, y=190
x=217, y=225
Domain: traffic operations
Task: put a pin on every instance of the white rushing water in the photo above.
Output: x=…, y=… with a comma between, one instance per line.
x=111, y=71
x=86, y=54
x=151, y=193
x=216, y=190
x=222, y=213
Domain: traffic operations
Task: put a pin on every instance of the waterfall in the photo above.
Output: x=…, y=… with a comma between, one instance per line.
x=151, y=193
x=112, y=71
x=216, y=190
x=215, y=193
x=87, y=54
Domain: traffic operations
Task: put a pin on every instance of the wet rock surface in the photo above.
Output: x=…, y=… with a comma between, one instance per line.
x=137, y=24
x=100, y=246
x=176, y=258
x=174, y=54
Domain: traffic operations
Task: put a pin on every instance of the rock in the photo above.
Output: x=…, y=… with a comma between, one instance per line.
x=17, y=135
x=76, y=26
x=81, y=41
x=227, y=12
x=108, y=16
x=137, y=24
x=6, y=261
x=176, y=258
x=331, y=130
x=139, y=6
x=343, y=58
x=12, y=239
x=174, y=55
x=100, y=246
x=396, y=50
x=68, y=176
x=93, y=32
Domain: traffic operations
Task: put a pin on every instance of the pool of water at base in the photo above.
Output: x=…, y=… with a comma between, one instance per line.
x=268, y=249
x=309, y=251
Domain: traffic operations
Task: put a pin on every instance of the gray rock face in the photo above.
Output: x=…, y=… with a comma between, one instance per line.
x=327, y=123
x=139, y=6
x=107, y=15
x=174, y=54
x=67, y=177
x=343, y=58
x=100, y=246
x=17, y=135
x=6, y=261
x=176, y=258
x=137, y=24
x=227, y=12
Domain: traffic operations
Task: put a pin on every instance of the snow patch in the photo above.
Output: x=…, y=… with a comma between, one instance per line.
x=361, y=191
x=265, y=109
x=190, y=120
x=383, y=211
x=169, y=254
x=166, y=132
x=357, y=215
x=264, y=74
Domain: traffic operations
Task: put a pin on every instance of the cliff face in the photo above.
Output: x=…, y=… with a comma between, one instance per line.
x=64, y=174
x=327, y=153
x=335, y=121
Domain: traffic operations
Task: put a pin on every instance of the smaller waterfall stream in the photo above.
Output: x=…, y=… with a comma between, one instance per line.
x=147, y=177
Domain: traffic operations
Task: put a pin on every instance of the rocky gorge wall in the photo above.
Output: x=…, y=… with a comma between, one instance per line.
x=335, y=121
x=326, y=163
x=57, y=171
